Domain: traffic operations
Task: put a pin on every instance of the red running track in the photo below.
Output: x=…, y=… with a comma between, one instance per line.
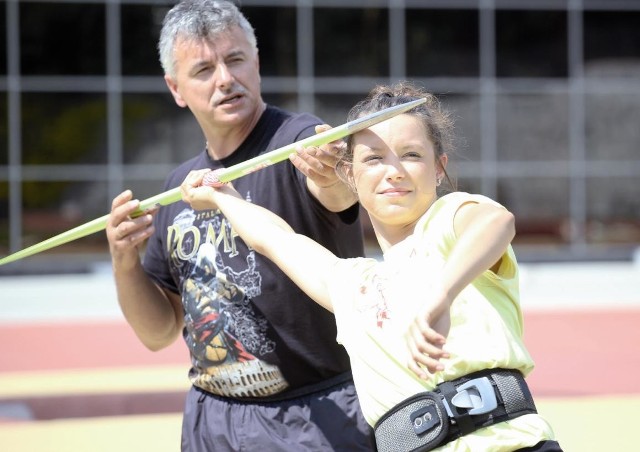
x=577, y=353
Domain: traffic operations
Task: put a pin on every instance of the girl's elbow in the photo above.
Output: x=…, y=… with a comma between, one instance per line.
x=261, y=248
x=503, y=221
x=508, y=221
x=267, y=243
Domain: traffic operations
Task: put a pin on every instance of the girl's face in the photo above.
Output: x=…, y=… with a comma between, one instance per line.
x=395, y=171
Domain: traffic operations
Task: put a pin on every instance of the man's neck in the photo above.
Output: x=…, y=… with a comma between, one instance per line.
x=222, y=142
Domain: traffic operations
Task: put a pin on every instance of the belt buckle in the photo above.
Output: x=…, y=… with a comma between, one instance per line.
x=477, y=396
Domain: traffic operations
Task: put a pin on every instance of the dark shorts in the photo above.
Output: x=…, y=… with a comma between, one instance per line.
x=329, y=420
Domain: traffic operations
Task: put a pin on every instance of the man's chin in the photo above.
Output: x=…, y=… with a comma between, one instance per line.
x=234, y=117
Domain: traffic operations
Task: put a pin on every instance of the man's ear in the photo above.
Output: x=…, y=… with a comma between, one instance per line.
x=258, y=66
x=173, y=88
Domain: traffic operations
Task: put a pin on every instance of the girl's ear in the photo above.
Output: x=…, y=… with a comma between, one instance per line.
x=344, y=170
x=442, y=166
x=444, y=159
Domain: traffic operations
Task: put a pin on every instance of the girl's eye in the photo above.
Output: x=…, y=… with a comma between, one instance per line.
x=412, y=155
x=371, y=158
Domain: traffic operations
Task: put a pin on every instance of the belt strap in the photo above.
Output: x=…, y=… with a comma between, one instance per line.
x=453, y=409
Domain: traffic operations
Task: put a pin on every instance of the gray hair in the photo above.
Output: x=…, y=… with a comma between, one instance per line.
x=199, y=19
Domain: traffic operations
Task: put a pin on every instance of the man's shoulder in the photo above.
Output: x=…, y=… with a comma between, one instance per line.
x=298, y=124
x=288, y=115
x=177, y=175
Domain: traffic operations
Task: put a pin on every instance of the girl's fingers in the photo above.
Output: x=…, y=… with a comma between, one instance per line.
x=425, y=348
x=418, y=370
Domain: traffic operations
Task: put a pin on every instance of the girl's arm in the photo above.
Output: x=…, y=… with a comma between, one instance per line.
x=484, y=232
x=306, y=262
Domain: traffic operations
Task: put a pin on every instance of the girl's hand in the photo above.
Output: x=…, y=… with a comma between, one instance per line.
x=201, y=196
x=426, y=338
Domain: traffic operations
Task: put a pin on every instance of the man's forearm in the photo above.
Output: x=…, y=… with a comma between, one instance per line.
x=155, y=317
x=334, y=198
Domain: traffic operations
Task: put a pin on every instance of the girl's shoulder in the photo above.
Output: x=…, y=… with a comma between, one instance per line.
x=436, y=226
x=446, y=206
x=457, y=198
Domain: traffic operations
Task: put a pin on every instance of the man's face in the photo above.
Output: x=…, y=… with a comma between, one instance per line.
x=218, y=80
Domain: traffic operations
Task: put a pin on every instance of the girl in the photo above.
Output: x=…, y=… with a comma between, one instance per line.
x=434, y=331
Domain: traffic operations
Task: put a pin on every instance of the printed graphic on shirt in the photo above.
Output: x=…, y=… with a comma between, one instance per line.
x=224, y=332
x=372, y=300
x=388, y=282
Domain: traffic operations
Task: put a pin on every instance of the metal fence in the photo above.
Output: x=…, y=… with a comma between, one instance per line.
x=546, y=94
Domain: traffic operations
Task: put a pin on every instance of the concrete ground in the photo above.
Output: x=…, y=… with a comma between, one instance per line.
x=73, y=377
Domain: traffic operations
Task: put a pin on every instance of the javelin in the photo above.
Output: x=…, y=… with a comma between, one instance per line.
x=224, y=175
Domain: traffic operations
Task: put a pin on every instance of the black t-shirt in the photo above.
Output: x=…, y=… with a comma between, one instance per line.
x=250, y=330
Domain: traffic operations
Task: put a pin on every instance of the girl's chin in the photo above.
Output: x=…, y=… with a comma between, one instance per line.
x=397, y=215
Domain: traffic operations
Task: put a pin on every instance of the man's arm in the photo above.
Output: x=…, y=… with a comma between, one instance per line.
x=154, y=314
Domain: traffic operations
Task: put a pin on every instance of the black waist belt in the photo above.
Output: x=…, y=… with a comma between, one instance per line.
x=454, y=408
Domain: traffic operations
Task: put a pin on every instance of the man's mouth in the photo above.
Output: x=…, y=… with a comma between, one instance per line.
x=230, y=99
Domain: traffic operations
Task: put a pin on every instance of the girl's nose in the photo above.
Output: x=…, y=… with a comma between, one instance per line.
x=394, y=170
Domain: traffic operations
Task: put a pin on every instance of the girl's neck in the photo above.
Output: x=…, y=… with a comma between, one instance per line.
x=388, y=236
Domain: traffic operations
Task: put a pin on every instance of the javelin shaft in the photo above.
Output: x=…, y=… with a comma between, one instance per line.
x=224, y=175
x=333, y=134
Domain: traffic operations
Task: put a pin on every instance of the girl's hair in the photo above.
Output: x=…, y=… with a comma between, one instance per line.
x=436, y=121
x=199, y=19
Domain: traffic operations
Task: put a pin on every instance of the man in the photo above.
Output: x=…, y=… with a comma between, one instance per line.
x=267, y=372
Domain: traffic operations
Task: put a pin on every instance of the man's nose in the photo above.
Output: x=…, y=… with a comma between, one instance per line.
x=224, y=78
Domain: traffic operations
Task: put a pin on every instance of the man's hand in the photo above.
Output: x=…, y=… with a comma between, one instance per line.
x=318, y=163
x=124, y=233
